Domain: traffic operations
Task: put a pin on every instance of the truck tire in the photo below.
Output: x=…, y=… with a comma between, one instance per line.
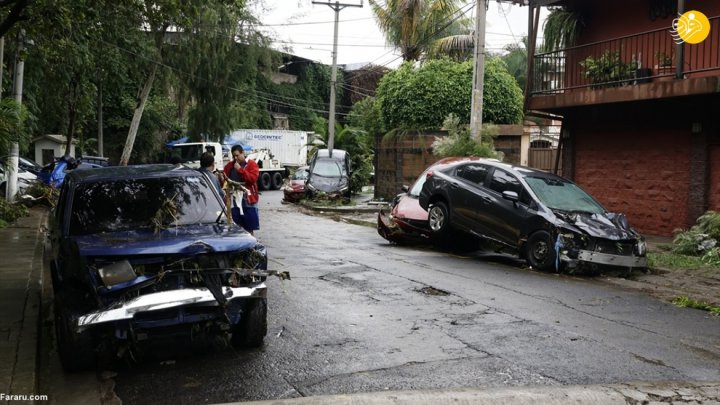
x=277, y=180
x=265, y=181
x=252, y=328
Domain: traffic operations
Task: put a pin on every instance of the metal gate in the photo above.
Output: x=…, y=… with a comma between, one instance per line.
x=544, y=159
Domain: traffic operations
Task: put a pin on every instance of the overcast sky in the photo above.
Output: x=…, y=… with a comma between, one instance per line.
x=308, y=29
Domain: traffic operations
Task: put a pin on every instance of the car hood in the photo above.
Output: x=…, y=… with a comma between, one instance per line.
x=608, y=225
x=192, y=239
x=328, y=184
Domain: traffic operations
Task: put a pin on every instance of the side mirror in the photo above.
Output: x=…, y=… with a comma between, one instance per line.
x=405, y=188
x=511, y=195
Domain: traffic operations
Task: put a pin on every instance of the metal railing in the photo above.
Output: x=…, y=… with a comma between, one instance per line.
x=622, y=61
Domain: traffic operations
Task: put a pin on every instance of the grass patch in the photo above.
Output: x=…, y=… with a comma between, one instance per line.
x=675, y=261
x=686, y=302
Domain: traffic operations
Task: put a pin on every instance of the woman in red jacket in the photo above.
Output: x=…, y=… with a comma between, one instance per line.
x=245, y=171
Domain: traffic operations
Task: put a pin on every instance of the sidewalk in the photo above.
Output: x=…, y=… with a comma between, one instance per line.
x=21, y=250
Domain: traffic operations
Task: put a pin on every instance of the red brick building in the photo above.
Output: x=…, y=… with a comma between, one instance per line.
x=645, y=142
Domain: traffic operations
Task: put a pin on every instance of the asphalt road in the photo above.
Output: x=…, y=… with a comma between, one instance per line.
x=362, y=315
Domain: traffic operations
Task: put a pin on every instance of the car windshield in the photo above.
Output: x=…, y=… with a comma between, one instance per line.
x=563, y=195
x=300, y=175
x=133, y=204
x=328, y=168
x=417, y=187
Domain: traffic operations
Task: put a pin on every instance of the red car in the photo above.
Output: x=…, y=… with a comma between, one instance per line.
x=294, y=190
x=406, y=221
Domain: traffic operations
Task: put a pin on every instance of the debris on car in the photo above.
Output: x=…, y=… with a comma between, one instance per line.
x=143, y=253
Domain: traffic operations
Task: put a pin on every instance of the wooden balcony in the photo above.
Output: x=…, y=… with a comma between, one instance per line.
x=636, y=67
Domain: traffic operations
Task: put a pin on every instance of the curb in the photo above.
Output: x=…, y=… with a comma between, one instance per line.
x=25, y=374
x=640, y=392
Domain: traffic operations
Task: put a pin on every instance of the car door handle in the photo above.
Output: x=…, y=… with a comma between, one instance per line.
x=487, y=199
x=454, y=185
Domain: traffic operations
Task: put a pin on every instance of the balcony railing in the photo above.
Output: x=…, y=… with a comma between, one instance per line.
x=627, y=60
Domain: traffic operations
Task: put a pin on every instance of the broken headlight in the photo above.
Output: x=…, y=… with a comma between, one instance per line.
x=641, y=247
x=116, y=273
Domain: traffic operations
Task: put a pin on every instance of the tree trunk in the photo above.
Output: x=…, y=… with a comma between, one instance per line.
x=72, y=115
x=135, y=123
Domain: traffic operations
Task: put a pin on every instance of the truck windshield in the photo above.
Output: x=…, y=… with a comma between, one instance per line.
x=188, y=152
x=134, y=204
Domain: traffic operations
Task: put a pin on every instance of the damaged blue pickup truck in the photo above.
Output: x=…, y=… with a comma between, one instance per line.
x=144, y=253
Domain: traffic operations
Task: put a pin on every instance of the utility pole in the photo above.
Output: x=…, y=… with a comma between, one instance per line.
x=478, y=73
x=15, y=148
x=337, y=6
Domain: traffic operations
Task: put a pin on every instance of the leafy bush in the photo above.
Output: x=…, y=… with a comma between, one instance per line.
x=10, y=212
x=459, y=142
x=419, y=98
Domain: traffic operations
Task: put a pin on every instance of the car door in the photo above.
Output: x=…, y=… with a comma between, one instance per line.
x=504, y=218
x=468, y=194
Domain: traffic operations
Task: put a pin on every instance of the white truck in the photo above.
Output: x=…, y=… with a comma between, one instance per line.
x=190, y=153
x=275, y=152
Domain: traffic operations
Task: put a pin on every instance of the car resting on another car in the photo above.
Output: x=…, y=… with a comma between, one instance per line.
x=142, y=253
x=550, y=221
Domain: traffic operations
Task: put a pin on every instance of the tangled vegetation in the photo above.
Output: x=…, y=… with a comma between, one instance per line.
x=10, y=212
x=701, y=239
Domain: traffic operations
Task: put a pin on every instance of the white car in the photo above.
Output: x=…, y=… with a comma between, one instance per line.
x=25, y=179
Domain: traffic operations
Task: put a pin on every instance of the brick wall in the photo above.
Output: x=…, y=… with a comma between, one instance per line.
x=714, y=189
x=651, y=187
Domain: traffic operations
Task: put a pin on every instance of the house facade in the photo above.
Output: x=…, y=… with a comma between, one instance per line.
x=640, y=128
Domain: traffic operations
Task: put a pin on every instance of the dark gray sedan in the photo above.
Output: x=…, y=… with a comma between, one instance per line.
x=550, y=221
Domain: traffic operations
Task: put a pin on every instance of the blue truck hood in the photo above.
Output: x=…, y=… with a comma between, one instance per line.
x=192, y=239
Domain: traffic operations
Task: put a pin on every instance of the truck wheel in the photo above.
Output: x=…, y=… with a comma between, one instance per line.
x=251, y=330
x=76, y=350
x=265, y=181
x=277, y=181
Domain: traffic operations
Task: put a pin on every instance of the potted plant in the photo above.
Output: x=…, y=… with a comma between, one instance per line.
x=608, y=70
x=665, y=67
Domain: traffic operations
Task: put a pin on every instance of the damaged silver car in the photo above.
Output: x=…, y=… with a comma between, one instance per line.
x=548, y=220
x=141, y=253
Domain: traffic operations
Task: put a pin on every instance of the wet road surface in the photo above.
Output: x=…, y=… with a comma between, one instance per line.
x=362, y=315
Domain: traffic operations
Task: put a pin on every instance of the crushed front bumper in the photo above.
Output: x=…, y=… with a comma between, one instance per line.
x=167, y=299
x=587, y=256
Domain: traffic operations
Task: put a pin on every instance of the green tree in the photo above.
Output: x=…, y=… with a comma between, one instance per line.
x=414, y=26
x=417, y=98
x=516, y=60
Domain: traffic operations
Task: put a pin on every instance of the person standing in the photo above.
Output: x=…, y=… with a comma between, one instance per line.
x=207, y=167
x=245, y=171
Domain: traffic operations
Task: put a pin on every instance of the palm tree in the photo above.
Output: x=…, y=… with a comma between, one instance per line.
x=414, y=26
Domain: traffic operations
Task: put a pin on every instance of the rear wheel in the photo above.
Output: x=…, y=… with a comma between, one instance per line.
x=265, y=181
x=277, y=180
x=251, y=330
x=540, y=251
x=439, y=219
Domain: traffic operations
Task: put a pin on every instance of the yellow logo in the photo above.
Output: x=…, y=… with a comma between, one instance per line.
x=691, y=27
